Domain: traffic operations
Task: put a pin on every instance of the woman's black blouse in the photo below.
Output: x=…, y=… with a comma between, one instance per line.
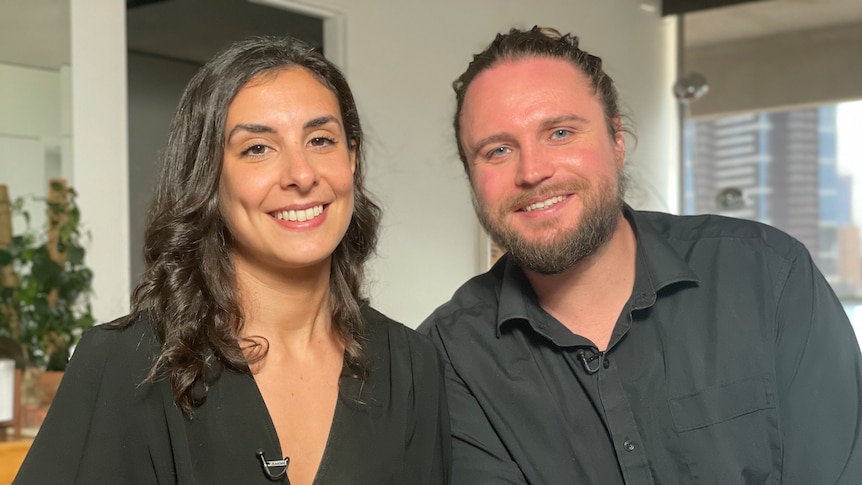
x=105, y=427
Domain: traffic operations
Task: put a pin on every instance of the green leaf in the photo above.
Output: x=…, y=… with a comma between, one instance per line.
x=47, y=271
x=43, y=328
x=75, y=255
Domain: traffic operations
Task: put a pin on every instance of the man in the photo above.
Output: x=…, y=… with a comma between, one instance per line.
x=614, y=346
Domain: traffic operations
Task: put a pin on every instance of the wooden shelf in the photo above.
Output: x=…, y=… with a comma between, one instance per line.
x=12, y=454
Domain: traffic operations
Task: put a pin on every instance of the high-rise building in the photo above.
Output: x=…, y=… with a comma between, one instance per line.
x=779, y=168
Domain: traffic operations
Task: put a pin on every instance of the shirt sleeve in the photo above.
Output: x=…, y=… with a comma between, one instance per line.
x=478, y=454
x=93, y=432
x=819, y=373
x=58, y=449
x=429, y=444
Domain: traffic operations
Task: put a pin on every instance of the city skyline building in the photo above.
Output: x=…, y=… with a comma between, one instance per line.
x=779, y=168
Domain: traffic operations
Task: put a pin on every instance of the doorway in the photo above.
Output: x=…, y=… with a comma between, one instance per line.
x=167, y=41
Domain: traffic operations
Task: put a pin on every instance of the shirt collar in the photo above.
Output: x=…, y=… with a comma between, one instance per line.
x=658, y=266
x=514, y=292
x=660, y=261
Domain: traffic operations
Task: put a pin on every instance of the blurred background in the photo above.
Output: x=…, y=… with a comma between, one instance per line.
x=743, y=108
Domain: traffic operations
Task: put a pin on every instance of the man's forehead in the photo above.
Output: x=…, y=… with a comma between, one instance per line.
x=560, y=69
x=530, y=87
x=512, y=80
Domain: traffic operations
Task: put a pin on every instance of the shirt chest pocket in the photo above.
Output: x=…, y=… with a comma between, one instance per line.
x=729, y=432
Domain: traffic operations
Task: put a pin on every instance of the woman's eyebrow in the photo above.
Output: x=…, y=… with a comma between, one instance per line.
x=251, y=128
x=320, y=121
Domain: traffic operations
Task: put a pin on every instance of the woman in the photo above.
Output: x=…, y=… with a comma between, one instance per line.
x=248, y=340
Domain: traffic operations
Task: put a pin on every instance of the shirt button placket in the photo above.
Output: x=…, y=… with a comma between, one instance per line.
x=623, y=427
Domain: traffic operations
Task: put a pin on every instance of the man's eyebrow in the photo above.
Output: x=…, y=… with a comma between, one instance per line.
x=251, y=128
x=556, y=120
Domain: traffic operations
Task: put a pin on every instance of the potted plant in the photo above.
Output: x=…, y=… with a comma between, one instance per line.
x=45, y=285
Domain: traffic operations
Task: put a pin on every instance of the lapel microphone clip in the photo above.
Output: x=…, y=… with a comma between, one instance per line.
x=273, y=469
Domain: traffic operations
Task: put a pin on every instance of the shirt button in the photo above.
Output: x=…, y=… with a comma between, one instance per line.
x=629, y=445
x=607, y=363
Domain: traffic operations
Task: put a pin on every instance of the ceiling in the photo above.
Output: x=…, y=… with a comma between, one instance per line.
x=35, y=33
x=763, y=18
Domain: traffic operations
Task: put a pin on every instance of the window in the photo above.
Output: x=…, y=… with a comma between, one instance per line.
x=799, y=170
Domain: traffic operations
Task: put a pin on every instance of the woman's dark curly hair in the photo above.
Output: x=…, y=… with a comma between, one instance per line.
x=189, y=289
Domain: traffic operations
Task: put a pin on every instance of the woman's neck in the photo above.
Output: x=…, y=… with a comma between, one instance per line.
x=289, y=309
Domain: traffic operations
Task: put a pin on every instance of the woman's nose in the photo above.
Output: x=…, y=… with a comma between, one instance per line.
x=298, y=171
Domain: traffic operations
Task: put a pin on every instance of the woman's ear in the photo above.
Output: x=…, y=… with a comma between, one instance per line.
x=351, y=152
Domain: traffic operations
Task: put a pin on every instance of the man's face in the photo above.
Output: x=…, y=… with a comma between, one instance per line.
x=544, y=169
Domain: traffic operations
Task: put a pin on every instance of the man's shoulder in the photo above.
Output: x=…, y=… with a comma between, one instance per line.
x=474, y=304
x=691, y=230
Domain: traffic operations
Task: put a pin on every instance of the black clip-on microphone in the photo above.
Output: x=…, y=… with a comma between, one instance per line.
x=586, y=361
x=274, y=469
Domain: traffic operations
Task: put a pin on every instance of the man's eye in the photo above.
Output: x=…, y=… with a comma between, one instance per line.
x=498, y=151
x=560, y=134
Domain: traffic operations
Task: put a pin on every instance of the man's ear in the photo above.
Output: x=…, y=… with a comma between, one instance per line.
x=619, y=142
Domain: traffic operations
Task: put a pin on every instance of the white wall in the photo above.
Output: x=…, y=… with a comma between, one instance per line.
x=17, y=152
x=29, y=101
x=33, y=132
x=400, y=58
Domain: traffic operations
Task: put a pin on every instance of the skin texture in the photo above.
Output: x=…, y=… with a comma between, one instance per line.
x=534, y=132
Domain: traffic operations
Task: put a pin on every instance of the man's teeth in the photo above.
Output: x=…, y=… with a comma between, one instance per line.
x=544, y=204
x=300, y=215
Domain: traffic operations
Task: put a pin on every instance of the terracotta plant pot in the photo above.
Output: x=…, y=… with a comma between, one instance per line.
x=48, y=382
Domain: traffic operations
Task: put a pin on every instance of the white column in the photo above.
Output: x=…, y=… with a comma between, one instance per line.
x=100, y=147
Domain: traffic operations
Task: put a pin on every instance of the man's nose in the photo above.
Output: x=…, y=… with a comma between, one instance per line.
x=534, y=166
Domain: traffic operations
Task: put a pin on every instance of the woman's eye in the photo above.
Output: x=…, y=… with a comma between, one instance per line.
x=321, y=141
x=256, y=150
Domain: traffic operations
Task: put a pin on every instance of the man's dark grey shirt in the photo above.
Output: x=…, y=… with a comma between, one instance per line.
x=732, y=363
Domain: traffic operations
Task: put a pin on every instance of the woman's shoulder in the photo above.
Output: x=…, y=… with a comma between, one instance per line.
x=127, y=340
x=377, y=324
x=400, y=343
x=128, y=330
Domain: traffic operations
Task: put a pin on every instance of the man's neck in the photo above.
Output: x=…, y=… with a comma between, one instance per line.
x=588, y=297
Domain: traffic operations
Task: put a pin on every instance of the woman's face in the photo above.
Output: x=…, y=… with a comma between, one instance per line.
x=287, y=177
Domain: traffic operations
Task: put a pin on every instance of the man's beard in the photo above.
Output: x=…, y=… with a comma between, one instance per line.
x=601, y=213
